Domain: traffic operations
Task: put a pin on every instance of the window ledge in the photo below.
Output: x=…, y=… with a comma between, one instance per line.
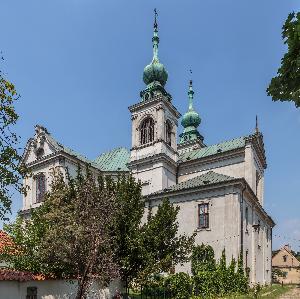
x=202, y=229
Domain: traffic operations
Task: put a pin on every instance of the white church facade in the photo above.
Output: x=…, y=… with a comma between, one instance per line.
x=219, y=188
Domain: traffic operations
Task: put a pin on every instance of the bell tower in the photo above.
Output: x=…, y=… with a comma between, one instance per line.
x=154, y=154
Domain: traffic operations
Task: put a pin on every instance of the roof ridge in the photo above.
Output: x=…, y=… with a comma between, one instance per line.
x=206, y=178
x=214, y=149
x=229, y=140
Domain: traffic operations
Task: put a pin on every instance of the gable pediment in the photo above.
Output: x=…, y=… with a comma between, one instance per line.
x=41, y=145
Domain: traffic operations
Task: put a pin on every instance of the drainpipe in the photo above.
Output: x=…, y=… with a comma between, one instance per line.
x=242, y=220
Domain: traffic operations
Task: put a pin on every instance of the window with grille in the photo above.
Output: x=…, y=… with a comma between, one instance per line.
x=257, y=182
x=168, y=133
x=40, y=187
x=31, y=293
x=147, y=131
x=203, y=211
x=247, y=217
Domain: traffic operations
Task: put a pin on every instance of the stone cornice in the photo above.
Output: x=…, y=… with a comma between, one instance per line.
x=161, y=157
x=154, y=142
x=155, y=100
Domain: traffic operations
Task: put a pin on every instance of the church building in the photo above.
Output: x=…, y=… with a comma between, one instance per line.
x=219, y=188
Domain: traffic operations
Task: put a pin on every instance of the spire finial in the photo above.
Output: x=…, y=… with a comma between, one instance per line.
x=155, y=38
x=155, y=16
x=191, y=92
x=256, y=124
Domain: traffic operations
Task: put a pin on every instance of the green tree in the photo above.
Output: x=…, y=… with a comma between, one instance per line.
x=60, y=239
x=241, y=278
x=203, y=259
x=130, y=253
x=68, y=237
x=223, y=274
x=164, y=247
x=286, y=85
x=11, y=171
x=151, y=247
x=26, y=235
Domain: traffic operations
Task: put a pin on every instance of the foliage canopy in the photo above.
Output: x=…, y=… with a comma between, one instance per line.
x=286, y=85
x=11, y=171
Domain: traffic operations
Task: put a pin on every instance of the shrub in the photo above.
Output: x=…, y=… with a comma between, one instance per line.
x=180, y=285
x=203, y=259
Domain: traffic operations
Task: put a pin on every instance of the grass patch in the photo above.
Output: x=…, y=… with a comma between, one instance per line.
x=270, y=292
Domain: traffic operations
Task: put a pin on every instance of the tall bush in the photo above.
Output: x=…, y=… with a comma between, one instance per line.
x=180, y=285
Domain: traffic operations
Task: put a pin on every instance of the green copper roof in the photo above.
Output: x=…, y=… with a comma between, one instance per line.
x=190, y=121
x=117, y=159
x=201, y=180
x=155, y=71
x=114, y=160
x=213, y=149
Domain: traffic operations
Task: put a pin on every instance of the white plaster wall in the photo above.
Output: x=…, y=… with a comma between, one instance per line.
x=29, y=201
x=232, y=167
x=154, y=176
x=55, y=289
x=251, y=166
x=240, y=166
x=223, y=230
x=259, y=246
x=10, y=290
x=31, y=156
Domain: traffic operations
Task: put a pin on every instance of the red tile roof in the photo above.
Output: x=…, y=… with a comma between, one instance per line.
x=13, y=275
x=5, y=241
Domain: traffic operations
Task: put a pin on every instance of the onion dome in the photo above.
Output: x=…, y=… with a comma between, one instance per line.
x=155, y=71
x=191, y=118
x=190, y=121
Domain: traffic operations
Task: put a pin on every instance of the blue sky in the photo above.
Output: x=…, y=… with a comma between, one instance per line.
x=78, y=65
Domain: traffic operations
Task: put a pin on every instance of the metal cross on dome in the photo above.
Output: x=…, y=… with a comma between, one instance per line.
x=155, y=15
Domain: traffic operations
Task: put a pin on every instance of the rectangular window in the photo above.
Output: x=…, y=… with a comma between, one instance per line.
x=203, y=214
x=40, y=187
x=31, y=293
x=247, y=217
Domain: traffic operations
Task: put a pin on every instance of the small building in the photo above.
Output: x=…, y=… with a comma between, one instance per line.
x=286, y=262
x=16, y=284
x=19, y=285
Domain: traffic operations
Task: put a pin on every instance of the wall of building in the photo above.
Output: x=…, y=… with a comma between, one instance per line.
x=47, y=168
x=223, y=231
x=292, y=275
x=241, y=165
x=257, y=244
x=225, y=228
x=55, y=289
x=231, y=166
x=284, y=258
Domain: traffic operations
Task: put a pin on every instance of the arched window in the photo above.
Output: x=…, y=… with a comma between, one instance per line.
x=147, y=131
x=168, y=133
x=40, y=187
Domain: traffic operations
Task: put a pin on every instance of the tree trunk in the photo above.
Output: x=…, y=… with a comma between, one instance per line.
x=81, y=290
x=83, y=282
